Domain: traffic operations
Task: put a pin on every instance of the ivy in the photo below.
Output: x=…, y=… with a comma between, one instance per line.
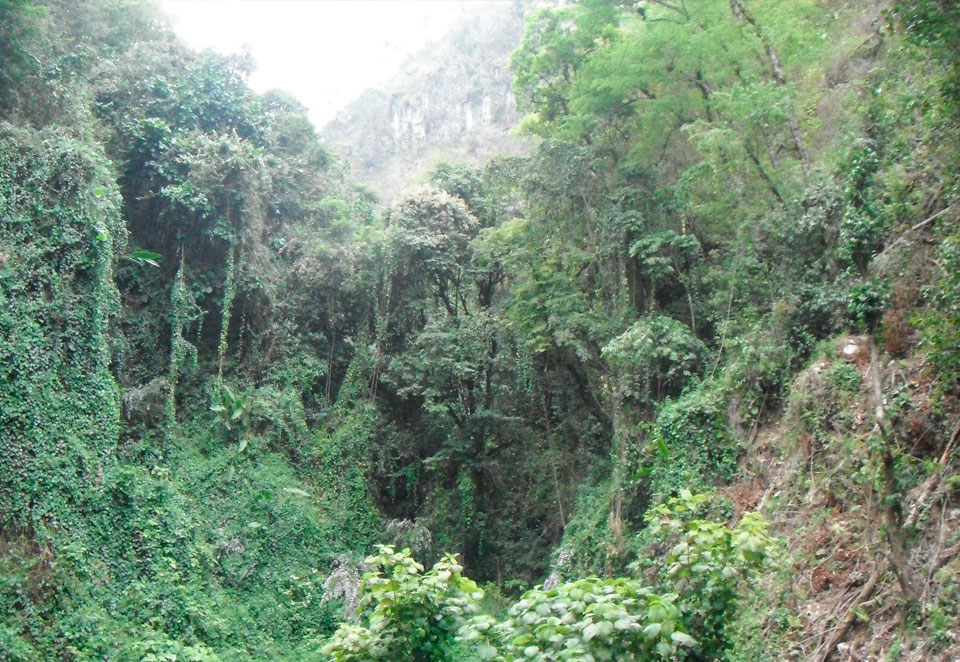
x=229, y=292
x=61, y=231
x=182, y=352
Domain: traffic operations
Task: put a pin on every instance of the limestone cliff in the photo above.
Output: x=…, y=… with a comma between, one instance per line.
x=452, y=101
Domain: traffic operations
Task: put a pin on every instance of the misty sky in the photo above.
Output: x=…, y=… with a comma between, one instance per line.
x=326, y=52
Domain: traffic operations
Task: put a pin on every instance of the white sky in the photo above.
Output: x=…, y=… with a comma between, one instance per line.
x=326, y=52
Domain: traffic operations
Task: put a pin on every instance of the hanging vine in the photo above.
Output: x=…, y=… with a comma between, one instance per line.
x=182, y=308
x=229, y=292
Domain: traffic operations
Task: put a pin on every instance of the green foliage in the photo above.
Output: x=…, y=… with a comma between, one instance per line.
x=707, y=565
x=119, y=562
x=182, y=353
x=690, y=444
x=658, y=356
x=589, y=546
x=60, y=228
x=229, y=292
x=867, y=303
x=935, y=27
x=604, y=318
x=141, y=257
x=18, y=18
x=941, y=324
x=555, y=45
x=862, y=228
x=235, y=411
x=599, y=619
x=342, y=463
x=428, y=234
x=406, y=613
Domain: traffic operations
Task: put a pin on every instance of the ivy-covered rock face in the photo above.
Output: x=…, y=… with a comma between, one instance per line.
x=154, y=529
x=61, y=230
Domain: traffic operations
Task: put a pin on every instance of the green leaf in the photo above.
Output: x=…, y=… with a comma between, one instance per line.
x=486, y=652
x=652, y=631
x=662, y=447
x=683, y=638
x=148, y=257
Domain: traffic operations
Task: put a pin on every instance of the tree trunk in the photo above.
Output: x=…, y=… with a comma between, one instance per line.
x=892, y=512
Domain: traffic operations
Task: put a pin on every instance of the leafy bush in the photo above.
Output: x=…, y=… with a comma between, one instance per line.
x=866, y=304
x=691, y=442
x=593, y=619
x=406, y=613
x=941, y=323
x=707, y=564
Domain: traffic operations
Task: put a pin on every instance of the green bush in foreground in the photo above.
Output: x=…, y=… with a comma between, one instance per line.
x=408, y=614
x=594, y=619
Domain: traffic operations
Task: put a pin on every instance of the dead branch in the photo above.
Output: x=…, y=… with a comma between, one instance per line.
x=945, y=557
x=931, y=483
x=841, y=631
x=914, y=229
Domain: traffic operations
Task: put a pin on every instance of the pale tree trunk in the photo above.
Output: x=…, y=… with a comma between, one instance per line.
x=892, y=513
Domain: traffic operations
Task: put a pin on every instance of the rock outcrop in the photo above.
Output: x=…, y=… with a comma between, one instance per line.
x=453, y=101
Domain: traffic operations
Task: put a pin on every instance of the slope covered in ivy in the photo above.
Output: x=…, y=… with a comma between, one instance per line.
x=170, y=240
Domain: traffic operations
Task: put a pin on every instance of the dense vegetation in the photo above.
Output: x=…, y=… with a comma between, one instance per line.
x=225, y=379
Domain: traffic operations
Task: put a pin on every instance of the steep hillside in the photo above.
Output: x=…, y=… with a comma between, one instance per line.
x=866, y=534
x=453, y=102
